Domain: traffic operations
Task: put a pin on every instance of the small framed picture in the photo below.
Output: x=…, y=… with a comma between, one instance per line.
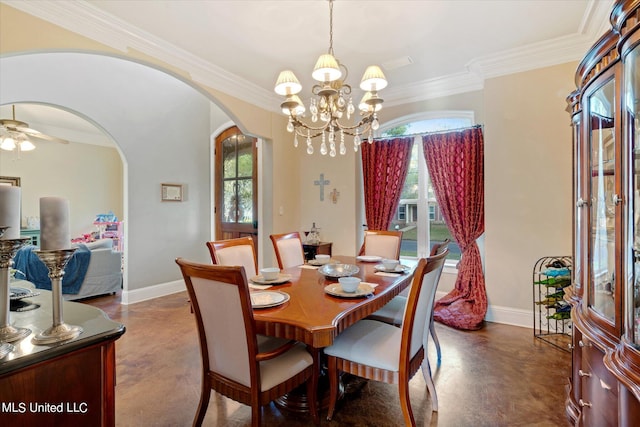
x=171, y=192
x=10, y=180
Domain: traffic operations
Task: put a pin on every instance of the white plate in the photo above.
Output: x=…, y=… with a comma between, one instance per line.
x=19, y=293
x=399, y=268
x=369, y=258
x=260, y=280
x=267, y=299
x=335, y=289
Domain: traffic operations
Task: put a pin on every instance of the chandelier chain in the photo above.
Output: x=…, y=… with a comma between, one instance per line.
x=331, y=27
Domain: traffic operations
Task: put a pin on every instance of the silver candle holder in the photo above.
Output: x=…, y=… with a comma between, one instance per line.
x=56, y=261
x=8, y=332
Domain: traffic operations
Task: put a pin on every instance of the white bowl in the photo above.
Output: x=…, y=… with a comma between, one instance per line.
x=349, y=284
x=390, y=264
x=270, y=273
x=322, y=259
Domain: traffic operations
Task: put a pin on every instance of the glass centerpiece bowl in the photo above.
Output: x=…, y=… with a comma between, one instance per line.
x=338, y=270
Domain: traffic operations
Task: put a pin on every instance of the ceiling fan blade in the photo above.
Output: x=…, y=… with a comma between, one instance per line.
x=32, y=133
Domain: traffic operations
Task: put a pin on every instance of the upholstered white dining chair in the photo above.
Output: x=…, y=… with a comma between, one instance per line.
x=383, y=352
x=236, y=362
x=382, y=243
x=240, y=251
x=393, y=311
x=288, y=249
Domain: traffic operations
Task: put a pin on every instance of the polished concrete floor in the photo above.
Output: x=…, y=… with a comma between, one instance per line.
x=498, y=376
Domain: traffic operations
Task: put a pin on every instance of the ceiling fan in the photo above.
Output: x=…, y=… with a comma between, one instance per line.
x=16, y=134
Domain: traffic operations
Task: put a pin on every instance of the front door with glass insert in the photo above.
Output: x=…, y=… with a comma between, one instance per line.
x=236, y=185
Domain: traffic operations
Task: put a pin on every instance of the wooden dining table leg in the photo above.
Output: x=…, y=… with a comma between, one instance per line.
x=297, y=400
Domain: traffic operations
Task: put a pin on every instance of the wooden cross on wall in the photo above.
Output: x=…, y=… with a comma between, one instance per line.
x=321, y=182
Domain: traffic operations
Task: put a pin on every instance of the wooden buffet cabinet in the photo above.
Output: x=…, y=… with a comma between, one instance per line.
x=605, y=294
x=63, y=384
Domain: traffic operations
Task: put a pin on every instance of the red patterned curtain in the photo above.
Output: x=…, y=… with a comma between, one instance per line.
x=385, y=163
x=456, y=167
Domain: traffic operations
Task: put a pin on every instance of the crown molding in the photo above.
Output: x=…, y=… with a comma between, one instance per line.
x=538, y=55
x=433, y=88
x=85, y=19
x=89, y=21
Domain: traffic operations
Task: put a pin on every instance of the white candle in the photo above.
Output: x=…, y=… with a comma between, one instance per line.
x=54, y=224
x=10, y=211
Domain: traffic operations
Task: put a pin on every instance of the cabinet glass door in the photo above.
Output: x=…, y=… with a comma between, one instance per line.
x=632, y=136
x=603, y=202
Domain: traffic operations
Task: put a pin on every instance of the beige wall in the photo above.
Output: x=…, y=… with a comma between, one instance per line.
x=337, y=221
x=89, y=176
x=527, y=164
x=528, y=178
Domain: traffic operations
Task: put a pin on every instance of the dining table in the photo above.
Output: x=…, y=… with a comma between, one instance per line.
x=314, y=315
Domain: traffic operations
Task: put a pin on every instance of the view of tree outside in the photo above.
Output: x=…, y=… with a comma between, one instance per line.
x=404, y=220
x=238, y=181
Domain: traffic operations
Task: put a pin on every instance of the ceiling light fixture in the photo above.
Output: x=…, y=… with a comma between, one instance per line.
x=13, y=140
x=16, y=134
x=331, y=102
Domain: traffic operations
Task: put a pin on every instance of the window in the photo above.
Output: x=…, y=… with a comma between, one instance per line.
x=418, y=196
x=402, y=212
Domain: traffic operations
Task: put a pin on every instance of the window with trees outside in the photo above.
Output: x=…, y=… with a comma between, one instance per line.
x=418, y=215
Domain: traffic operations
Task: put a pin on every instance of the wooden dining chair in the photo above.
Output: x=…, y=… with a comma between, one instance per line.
x=288, y=249
x=382, y=243
x=240, y=251
x=235, y=361
x=393, y=311
x=382, y=352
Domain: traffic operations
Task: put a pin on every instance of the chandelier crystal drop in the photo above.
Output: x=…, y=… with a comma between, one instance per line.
x=331, y=108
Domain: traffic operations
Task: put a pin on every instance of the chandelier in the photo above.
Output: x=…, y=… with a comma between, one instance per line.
x=331, y=103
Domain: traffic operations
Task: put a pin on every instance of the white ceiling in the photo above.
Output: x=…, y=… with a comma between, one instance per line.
x=239, y=46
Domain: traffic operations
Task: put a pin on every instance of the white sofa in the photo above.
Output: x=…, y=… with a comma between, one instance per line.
x=104, y=273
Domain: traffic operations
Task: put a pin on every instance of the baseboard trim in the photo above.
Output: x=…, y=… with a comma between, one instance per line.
x=504, y=315
x=496, y=314
x=151, y=292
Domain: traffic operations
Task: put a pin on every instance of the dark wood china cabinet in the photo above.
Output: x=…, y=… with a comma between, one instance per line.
x=605, y=294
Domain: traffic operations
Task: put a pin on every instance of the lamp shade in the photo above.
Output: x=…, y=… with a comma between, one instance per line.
x=26, y=145
x=287, y=84
x=7, y=143
x=293, y=105
x=326, y=69
x=373, y=79
x=366, y=105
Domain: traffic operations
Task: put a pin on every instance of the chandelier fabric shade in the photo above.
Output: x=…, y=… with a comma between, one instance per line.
x=326, y=69
x=366, y=104
x=331, y=107
x=373, y=79
x=287, y=84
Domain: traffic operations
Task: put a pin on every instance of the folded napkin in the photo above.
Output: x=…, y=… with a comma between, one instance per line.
x=260, y=287
x=382, y=273
x=311, y=267
x=373, y=285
